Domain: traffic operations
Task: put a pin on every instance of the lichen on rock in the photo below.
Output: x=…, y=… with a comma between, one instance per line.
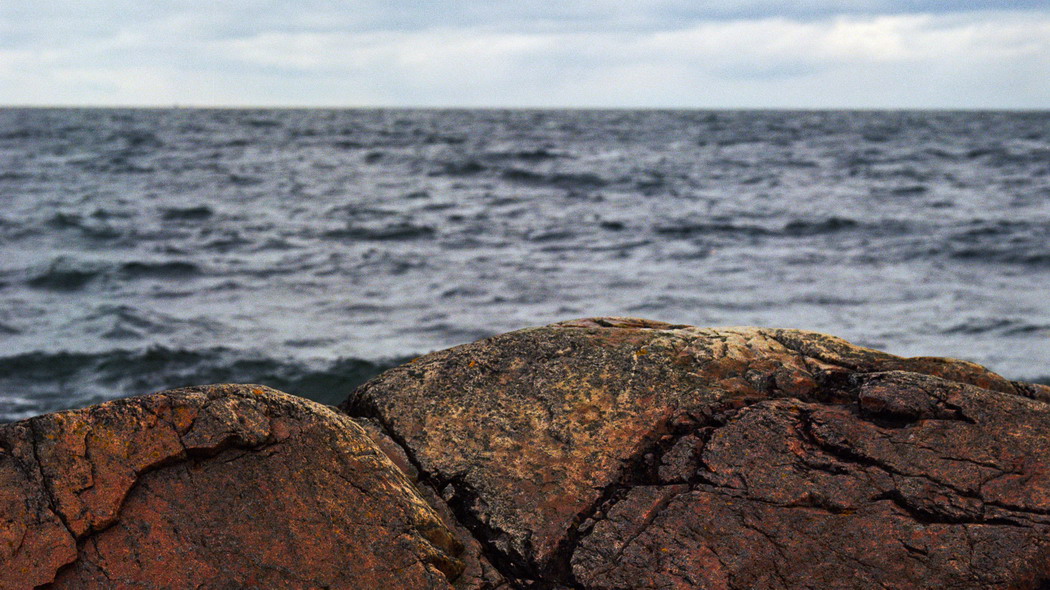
x=625, y=453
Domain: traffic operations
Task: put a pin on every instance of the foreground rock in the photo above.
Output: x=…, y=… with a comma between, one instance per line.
x=216, y=487
x=616, y=453
x=595, y=454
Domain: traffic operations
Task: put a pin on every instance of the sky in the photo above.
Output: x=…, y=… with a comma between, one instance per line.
x=975, y=54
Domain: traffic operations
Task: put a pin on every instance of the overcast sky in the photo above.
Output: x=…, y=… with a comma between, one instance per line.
x=591, y=53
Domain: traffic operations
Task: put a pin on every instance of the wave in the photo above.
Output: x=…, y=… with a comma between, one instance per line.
x=114, y=322
x=22, y=134
x=357, y=211
x=244, y=180
x=564, y=180
x=186, y=213
x=63, y=274
x=65, y=220
x=1003, y=256
x=395, y=231
x=804, y=227
x=159, y=270
x=95, y=228
x=67, y=274
x=1020, y=242
x=465, y=168
x=347, y=144
x=118, y=162
x=908, y=190
x=39, y=382
x=137, y=139
x=526, y=155
x=683, y=230
x=1001, y=326
x=103, y=213
x=552, y=235
x=977, y=228
x=794, y=228
x=1001, y=155
x=235, y=142
x=228, y=241
x=260, y=123
x=439, y=138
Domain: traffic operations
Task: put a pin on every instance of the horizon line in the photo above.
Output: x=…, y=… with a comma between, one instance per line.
x=291, y=107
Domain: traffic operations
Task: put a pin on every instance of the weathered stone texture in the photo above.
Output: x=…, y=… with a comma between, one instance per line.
x=597, y=454
x=214, y=487
x=621, y=453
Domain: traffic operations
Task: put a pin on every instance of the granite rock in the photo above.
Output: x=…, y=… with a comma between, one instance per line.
x=229, y=486
x=623, y=453
x=603, y=453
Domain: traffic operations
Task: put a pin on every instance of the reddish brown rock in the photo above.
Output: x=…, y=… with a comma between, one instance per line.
x=620, y=453
x=595, y=454
x=216, y=487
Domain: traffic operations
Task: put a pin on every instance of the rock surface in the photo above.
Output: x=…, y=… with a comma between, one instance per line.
x=216, y=487
x=621, y=453
x=596, y=454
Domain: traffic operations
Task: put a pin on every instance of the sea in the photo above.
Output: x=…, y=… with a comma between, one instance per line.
x=308, y=250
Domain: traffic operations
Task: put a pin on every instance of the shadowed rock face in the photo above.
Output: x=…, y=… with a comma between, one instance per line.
x=221, y=487
x=621, y=453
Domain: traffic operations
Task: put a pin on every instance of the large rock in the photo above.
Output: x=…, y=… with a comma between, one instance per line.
x=216, y=487
x=619, y=453
x=595, y=454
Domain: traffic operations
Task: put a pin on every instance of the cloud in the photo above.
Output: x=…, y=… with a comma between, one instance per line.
x=926, y=60
x=669, y=54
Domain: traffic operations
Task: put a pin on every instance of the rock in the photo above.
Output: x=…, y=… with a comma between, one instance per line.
x=594, y=454
x=621, y=453
x=217, y=487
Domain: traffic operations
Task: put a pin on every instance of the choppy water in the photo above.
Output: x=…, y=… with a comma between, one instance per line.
x=308, y=249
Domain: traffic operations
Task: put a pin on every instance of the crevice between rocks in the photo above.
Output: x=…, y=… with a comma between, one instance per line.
x=514, y=568
x=640, y=469
x=45, y=482
x=837, y=386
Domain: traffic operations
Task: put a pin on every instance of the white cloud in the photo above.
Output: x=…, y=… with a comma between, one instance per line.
x=985, y=59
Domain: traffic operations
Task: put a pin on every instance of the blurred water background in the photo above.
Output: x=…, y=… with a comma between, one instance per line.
x=309, y=249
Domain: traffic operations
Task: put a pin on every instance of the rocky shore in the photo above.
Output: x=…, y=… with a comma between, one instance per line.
x=593, y=454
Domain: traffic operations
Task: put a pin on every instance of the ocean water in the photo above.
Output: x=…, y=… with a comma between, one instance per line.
x=309, y=249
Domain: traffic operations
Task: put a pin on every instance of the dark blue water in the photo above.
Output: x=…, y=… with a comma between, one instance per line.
x=309, y=249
